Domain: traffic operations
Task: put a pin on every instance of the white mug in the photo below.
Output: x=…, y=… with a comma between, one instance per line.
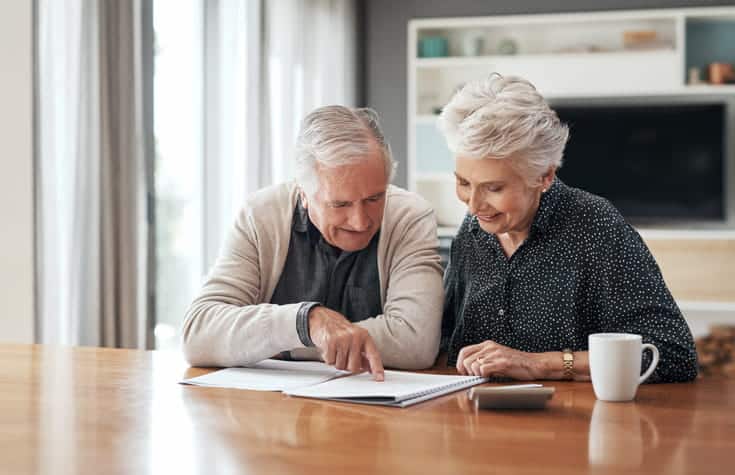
x=615, y=365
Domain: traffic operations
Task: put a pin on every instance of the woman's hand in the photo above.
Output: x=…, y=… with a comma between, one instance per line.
x=492, y=359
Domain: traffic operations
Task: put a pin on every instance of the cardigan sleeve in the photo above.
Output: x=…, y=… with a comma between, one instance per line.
x=228, y=324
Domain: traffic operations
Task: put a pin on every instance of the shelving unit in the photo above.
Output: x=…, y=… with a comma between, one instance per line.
x=584, y=57
x=566, y=56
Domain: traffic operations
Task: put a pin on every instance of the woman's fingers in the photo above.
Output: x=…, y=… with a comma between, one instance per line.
x=465, y=357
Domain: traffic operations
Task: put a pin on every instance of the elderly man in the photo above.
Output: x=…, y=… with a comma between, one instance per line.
x=339, y=265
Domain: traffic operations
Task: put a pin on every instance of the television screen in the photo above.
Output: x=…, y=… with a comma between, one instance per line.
x=655, y=163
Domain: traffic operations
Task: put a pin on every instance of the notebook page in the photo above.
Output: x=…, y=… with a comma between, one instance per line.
x=269, y=375
x=398, y=386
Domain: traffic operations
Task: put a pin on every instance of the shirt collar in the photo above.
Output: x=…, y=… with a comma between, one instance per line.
x=302, y=223
x=301, y=219
x=546, y=209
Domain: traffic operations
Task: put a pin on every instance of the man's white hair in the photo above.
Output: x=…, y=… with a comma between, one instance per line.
x=334, y=136
x=505, y=118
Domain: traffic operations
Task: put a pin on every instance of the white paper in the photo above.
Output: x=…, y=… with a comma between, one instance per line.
x=398, y=386
x=269, y=375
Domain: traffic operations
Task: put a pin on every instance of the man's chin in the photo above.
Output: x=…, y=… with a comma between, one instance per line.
x=356, y=242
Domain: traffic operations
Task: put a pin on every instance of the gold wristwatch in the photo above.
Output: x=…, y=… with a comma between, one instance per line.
x=568, y=360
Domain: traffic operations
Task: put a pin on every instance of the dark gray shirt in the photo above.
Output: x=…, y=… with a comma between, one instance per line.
x=318, y=273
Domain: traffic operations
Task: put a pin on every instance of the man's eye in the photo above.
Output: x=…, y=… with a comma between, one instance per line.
x=462, y=183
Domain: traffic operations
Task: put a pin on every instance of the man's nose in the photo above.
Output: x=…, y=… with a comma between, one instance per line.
x=359, y=219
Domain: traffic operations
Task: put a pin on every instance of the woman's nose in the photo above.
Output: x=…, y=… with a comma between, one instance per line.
x=475, y=202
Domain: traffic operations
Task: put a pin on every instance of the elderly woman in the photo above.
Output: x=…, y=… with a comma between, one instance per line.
x=537, y=265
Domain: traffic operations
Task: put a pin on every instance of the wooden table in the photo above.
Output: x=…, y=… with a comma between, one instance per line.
x=86, y=410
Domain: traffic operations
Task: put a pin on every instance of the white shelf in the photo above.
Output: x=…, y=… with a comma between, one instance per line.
x=687, y=234
x=667, y=234
x=707, y=89
x=473, y=61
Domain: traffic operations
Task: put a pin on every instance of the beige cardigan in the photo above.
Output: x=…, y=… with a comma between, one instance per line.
x=230, y=323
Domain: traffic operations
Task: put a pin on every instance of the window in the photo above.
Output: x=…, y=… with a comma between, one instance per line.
x=178, y=118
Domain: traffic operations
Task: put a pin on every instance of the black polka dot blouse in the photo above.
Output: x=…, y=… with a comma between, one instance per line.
x=583, y=269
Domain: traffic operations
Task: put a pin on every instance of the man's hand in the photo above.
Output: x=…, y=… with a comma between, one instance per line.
x=344, y=345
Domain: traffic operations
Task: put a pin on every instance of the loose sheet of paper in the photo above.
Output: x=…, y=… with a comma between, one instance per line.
x=269, y=375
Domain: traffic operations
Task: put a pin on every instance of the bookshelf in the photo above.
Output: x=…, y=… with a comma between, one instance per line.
x=578, y=57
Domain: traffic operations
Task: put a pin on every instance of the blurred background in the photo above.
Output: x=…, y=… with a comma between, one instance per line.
x=133, y=129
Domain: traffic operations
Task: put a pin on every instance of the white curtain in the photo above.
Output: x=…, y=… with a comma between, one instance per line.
x=91, y=174
x=267, y=64
x=311, y=51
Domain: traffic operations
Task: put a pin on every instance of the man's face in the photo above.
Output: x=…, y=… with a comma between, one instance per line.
x=348, y=205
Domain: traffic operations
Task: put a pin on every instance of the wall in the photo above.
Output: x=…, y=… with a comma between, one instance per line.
x=386, y=31
x=16, y=178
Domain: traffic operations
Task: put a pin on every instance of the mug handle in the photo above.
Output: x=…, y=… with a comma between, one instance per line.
x=654, y=363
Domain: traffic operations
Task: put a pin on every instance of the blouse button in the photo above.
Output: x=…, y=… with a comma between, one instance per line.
x=501, y=312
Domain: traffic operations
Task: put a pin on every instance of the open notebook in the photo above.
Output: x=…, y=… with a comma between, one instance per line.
x=318, y=380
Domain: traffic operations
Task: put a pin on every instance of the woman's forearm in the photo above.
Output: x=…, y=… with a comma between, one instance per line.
x=551, y=365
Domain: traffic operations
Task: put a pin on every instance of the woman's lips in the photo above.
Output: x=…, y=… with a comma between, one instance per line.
x=488, y=217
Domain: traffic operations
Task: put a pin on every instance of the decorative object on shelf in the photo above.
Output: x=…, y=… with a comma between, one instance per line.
x=721, y=73
x=644, y=40
x=716, y=352
x=433, y=47
x=436, y=110
x=635, y=39
x=581, y=48
x=695, y=76
x=507, y=46
x=473, y=44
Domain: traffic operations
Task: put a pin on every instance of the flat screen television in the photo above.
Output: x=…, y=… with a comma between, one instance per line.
x=655, y=163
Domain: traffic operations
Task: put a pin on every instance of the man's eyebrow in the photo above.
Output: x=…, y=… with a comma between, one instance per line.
x=371, y=197
x=376, y=196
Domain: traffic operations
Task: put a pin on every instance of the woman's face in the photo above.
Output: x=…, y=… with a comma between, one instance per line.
x=497, y=194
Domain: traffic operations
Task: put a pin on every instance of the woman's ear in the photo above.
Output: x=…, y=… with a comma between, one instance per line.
x=548, y=179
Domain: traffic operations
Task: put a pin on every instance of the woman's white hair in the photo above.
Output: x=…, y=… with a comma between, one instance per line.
x=505, y=118
x=334, y=136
